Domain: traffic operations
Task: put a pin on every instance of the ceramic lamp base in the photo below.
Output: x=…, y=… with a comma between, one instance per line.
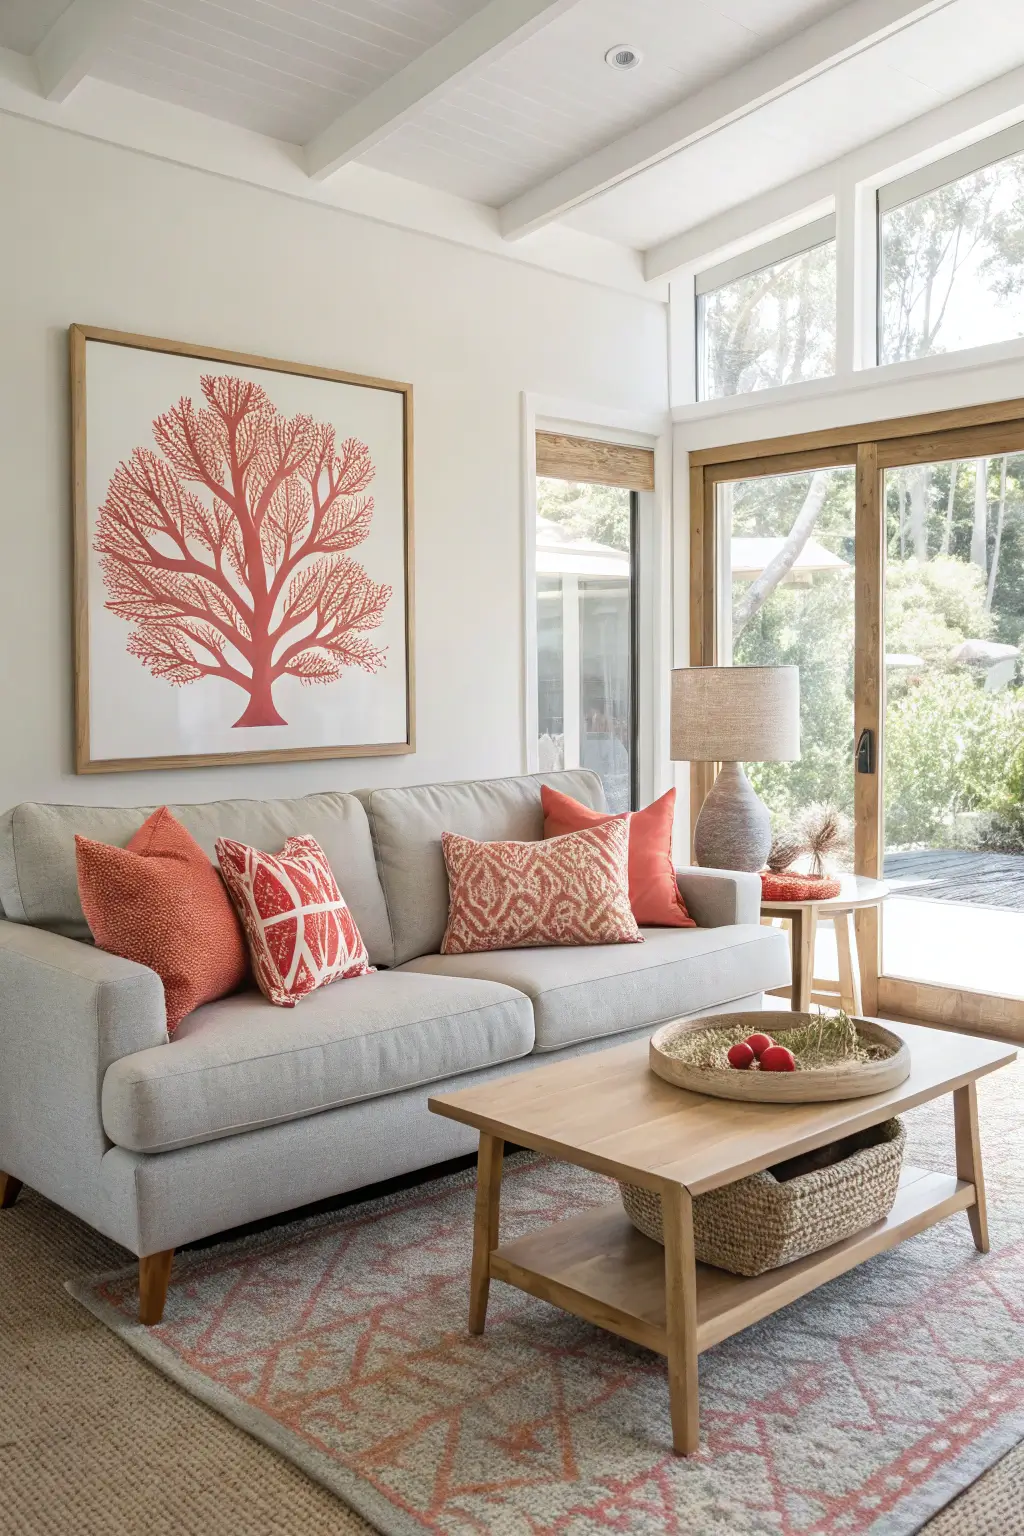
x=734, y=830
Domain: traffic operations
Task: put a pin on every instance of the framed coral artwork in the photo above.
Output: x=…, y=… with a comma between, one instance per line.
x=243, y=557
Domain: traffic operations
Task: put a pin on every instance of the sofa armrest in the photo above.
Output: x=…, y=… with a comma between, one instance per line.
x=715, y=897
x=67, y=1011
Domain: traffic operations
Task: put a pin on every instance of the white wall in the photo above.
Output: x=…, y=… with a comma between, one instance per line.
x=94, y=234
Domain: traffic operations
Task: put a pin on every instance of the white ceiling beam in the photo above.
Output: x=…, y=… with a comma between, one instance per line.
x=73, y=43
x=953, y=125
x=493, y=31
x=811, y=52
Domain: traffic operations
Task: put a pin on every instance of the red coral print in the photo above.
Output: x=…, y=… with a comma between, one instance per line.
x=246, y=577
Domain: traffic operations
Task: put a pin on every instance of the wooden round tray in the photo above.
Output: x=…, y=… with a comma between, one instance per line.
x=815, y=1085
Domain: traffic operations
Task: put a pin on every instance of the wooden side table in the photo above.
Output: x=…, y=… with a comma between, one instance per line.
x=858, y=892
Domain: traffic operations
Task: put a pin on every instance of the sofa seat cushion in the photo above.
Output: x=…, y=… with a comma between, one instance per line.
x=240, y=1063
x=605, y=989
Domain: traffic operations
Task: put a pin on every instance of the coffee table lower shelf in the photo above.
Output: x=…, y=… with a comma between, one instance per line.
x=599, y=1267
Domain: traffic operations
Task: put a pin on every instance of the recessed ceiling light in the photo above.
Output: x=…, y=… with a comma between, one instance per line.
x=622, y=56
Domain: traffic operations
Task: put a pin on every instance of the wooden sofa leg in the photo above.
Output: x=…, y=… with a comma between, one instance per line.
x=154, y=1275
x=10, y=1189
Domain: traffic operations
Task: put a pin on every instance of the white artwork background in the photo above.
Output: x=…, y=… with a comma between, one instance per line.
x=134, y=714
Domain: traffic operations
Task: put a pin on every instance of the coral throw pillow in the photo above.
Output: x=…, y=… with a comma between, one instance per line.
x=569, y=890
x=160, y=902
x=300, y=930
x=653, y=892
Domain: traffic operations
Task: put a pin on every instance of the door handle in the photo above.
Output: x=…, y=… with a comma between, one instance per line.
x=866, y=751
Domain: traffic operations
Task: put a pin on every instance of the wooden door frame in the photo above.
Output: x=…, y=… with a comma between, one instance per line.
x=872, y=447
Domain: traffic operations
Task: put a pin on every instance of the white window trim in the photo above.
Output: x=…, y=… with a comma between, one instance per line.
x=977, y=129
x=655, y=596
x=943, y=364
x=975, y=157
x=796, y=242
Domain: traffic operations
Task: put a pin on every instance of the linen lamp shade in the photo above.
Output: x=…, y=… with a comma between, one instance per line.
x=734, y=715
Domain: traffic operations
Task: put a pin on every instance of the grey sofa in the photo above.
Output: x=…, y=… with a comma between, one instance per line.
x=254, y=1110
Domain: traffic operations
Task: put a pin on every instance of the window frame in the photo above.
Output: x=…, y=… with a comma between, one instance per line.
x=556, y=458
x=920, y=183
x=769, y=253
x=873, y=447
x=660, y=563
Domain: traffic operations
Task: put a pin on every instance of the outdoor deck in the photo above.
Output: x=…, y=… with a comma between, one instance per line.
x=955, y=919
x=977, y=879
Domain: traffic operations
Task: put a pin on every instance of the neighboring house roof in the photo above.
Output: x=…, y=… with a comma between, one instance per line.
x=751, y=556
x=559, y=553
x=986, y=651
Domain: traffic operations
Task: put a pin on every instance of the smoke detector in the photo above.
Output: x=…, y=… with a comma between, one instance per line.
x=622, y=56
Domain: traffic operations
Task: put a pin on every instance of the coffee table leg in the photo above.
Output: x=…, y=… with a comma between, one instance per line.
x=968, y=1160
x=681, y=1317
x=485, y=1225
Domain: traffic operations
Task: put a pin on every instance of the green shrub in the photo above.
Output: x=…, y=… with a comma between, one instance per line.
x=949, y=747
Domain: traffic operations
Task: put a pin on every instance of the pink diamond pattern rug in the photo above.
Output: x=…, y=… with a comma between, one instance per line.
x=863, y=1408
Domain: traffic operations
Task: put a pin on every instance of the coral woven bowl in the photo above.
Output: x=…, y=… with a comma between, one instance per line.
x=692, y=1056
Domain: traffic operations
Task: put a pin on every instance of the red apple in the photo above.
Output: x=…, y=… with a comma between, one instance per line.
x=740, y=1055
x=759, y=1044
x=777, y=1059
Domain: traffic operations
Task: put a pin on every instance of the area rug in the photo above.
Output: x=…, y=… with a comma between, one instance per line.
x=863, y=1408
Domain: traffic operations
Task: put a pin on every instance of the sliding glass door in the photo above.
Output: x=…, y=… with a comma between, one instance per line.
x=953, y=733
x=888, y=565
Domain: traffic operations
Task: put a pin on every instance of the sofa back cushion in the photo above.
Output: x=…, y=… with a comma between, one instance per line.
x=407, y=826
x=38, y=878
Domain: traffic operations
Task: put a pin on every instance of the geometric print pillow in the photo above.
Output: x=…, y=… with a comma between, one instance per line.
x=300, y=931
x=564, y=890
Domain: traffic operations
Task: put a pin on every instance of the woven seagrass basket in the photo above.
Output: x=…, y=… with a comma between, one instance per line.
x=762, y=1222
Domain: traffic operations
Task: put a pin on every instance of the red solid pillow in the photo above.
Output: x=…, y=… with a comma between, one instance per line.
x=653, y=892
x=160, y=902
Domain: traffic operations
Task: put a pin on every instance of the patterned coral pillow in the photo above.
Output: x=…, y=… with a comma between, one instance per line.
x=653, y=890
x=160, y=902
x=566, y=890
x=301, y=933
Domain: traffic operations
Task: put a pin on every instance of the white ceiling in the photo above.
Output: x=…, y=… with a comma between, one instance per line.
x=514, y=117
x=554, y=98
x=939, y=58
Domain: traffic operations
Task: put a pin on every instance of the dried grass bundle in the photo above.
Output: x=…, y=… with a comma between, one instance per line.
x=826, y=832
x=827, y=1040
x=785, y=850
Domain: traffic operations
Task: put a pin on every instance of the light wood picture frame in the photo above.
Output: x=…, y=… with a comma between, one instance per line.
x=243, y=536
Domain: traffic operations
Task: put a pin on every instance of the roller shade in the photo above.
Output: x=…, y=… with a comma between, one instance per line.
x=597, y=463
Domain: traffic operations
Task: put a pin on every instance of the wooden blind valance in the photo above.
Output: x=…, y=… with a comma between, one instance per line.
x=584, y=458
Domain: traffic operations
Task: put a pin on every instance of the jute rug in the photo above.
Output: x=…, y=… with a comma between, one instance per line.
x=866, y=1407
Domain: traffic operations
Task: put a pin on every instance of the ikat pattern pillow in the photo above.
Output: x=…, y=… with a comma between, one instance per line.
x=565, y=890
x=301, y=933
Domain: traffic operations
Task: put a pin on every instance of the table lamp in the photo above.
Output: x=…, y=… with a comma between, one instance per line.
x=734, y=715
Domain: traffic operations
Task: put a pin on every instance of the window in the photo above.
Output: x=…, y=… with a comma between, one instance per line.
x=586, y=611
x=769, y=316
x=951, y=252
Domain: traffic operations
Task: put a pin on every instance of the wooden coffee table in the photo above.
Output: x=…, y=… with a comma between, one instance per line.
x=608, y=1112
